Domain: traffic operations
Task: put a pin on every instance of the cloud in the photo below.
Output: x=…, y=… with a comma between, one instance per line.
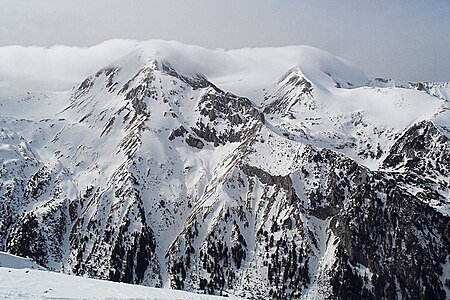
x=56, y=68
x=406, y=40
x=243, y=71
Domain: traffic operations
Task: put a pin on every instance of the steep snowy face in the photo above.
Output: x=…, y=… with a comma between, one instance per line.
x=141, y=143
x=265, y=173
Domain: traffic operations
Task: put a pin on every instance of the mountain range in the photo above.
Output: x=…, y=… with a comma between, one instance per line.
x=264, y=173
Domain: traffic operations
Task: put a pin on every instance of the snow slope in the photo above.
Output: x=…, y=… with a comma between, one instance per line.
x=21, y=278
x=16, y=262
x=35, y=284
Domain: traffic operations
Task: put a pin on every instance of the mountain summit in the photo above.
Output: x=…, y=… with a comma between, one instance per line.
x=281, y=173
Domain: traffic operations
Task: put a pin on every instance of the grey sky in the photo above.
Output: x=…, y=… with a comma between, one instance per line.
x=402, y=39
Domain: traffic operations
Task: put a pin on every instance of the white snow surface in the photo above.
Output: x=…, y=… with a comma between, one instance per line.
x=12, y=261
x=19, y=279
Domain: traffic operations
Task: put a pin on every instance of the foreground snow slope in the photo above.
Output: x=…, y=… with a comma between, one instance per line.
x=21, y=278
x=24, y=283
x=16, y=262
x=156, y=170
x=34, y=284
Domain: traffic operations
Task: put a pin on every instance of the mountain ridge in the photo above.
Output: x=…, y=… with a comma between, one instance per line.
x=162, y=177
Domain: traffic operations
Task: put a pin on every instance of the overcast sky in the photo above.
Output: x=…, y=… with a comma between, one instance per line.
x=408, y=39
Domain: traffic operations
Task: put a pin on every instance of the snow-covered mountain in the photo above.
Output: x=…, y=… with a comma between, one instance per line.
x=281, y=173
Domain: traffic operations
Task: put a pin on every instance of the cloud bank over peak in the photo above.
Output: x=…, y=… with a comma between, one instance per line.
x=56, y=68
x=405, y=40
x=242, y=71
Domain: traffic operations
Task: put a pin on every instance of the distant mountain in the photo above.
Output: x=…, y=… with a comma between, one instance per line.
x=271, y=173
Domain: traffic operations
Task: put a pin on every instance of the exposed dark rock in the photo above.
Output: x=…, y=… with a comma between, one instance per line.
x=194, y=142
x=239, y=115
x=196, y=82
x=420, y=144
x=180, y=131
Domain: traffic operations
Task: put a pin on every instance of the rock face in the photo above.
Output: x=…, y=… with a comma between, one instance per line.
x=150, y=176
